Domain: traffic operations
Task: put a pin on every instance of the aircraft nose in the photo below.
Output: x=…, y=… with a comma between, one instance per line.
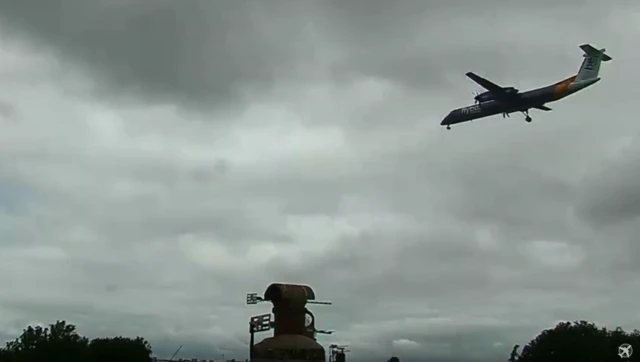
x=446, y=120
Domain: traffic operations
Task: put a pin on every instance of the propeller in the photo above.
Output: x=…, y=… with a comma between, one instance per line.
x=475, y=94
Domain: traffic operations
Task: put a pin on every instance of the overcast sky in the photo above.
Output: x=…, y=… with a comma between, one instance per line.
x=160, y=159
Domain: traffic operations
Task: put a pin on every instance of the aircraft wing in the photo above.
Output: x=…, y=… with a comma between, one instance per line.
x=542, y=108
x=488, y=85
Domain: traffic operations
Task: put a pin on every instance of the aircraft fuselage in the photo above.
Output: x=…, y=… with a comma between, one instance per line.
x=519, y=102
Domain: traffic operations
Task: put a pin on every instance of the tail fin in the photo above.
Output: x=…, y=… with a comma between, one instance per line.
x=591, y=64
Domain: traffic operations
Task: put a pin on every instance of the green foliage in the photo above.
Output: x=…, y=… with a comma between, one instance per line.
x=61, y=343
x=120, y=349
x=579, y=341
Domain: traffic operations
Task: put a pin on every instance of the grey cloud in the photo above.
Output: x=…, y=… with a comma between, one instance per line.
x=207, y=53
x=320, y=162
x=191, y=52
x=418, y=45
x=611, y=193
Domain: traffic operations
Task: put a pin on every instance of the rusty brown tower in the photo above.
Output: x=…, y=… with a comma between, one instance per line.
x=294, y=337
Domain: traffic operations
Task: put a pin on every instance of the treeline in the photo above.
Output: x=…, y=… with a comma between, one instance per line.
x=580, y=342
x=61, y=343
x=576, y=342
x=569, y=341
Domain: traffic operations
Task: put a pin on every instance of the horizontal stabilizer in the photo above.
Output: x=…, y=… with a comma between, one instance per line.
x=542, y=108
x=591, y=51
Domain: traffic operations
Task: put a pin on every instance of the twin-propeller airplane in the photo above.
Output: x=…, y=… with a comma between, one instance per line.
x=508, y=100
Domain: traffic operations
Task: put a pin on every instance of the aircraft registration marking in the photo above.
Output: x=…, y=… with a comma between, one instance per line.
x=471, y=109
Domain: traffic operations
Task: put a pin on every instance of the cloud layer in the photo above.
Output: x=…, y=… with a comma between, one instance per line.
x=161, y=159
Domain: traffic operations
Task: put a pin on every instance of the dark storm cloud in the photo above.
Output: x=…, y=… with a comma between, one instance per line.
x=191, y=51
x=206, y=53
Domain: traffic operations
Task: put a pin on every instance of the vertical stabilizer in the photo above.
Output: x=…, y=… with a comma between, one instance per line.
x=591, y=64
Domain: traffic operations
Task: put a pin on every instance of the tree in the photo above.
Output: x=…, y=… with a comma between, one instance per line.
x=60, y=343
x=57, y=343
x=120, y=349
x=514, y=353
x=5, y=356
x=578, y=341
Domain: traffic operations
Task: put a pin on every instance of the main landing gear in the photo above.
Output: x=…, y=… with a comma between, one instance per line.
x=525, y=112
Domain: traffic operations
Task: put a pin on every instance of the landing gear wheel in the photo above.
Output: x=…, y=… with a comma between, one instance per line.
x=528, y=119
x=448, y=127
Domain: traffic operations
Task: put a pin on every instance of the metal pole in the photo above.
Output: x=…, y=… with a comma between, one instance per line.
x=251, y=341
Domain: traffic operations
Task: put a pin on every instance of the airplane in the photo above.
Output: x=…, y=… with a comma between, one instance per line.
x=506, y=100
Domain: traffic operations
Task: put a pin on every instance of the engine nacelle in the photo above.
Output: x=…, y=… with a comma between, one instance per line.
x=484, y=97
x=489, y=96
x=511, y=90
